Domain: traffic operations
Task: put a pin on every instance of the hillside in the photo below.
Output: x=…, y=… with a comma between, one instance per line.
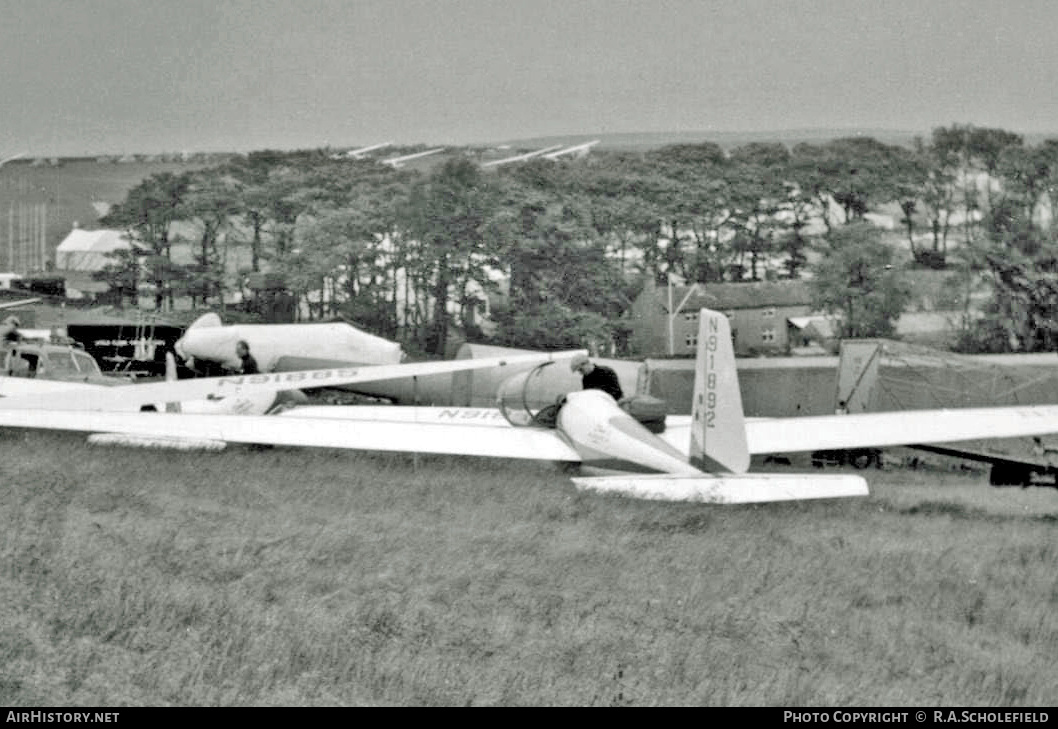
x=65, y=192
x=44, y=199
x=642, y=141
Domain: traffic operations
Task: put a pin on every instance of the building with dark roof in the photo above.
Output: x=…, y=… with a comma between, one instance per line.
x=665, y=318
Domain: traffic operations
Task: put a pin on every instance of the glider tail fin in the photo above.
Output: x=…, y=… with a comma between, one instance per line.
x=206, y=321
x=718, y=429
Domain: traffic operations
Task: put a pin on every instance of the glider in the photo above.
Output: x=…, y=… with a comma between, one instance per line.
x=47, y=395
x=704, y=457
x=285, y=346
x=397, y=162
x=521, y=157
x=578, y=150
x=361, y=152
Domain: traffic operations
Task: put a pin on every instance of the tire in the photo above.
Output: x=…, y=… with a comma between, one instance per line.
x=862, y=459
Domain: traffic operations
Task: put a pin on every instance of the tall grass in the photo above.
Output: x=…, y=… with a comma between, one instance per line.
x=293, y=577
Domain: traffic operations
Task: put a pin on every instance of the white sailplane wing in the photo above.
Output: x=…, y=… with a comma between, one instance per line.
x=408, y=437
x=217, y=387
x=481, y=417
x=909, y=427
x=20, y=387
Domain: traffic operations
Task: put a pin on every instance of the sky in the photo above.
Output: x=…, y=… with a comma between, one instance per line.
x=86, y=77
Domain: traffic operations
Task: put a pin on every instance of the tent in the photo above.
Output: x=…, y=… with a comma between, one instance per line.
x=85, y=250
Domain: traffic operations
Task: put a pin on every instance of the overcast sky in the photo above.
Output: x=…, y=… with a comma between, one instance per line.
x=127, y=76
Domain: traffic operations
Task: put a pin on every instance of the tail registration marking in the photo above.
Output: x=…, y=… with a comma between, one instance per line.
x=705, y=410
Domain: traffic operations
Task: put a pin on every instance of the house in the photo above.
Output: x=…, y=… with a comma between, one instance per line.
x=665, y=319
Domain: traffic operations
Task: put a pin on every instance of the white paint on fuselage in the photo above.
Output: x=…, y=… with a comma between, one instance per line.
x=605, y=434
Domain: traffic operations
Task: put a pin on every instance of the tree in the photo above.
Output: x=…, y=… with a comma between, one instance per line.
x=858, y=279
x=121, y=275
x=973, y=156
x=447, y=215
x=211, y=200
x=1024, y=174
x=812, y=169
x=1022, y=315
x=1048, y=155
x=756, y=192
x=551, y=239
x=147, y=214
x=273, y=188
x=937, y=170
x=553, y=325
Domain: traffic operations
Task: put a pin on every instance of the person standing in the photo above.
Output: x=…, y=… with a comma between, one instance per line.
x=9, y=334
x=249, y=364
x=596, y=377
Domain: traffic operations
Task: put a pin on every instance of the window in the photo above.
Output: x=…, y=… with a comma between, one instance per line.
x=768, y=313
x=767, y=334
x=85, y=364
x=61, y=363
x=691, y=340
x=690, y=316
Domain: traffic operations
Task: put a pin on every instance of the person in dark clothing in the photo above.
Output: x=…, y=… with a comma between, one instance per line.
x=9, y=334
x=249, y=364
x=597, y=377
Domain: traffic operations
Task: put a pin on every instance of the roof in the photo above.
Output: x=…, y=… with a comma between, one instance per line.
x=727, y=296
x=101, y=317
x=97, y=241
x=85, y=250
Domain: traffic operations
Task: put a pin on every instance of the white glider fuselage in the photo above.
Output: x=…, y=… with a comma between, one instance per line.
x=334, y=342
x=609, y=439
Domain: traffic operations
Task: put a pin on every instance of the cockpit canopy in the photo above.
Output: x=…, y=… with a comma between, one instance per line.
x=524, y=399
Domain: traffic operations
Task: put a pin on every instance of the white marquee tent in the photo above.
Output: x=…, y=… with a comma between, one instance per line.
x=85, y=250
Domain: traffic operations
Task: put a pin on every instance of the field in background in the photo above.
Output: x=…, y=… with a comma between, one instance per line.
x=283, y=577
x=68, y=193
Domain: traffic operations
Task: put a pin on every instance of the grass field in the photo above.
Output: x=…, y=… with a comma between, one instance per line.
x=292, y=577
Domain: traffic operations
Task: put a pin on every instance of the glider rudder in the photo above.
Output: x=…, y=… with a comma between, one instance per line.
x=718, y=429
x=171, y=376
x=206, y=321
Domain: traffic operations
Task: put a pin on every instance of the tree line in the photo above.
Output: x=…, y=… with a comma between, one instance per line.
x=561, y=248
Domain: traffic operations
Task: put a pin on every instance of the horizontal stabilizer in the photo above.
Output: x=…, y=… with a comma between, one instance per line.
x=742, y=489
